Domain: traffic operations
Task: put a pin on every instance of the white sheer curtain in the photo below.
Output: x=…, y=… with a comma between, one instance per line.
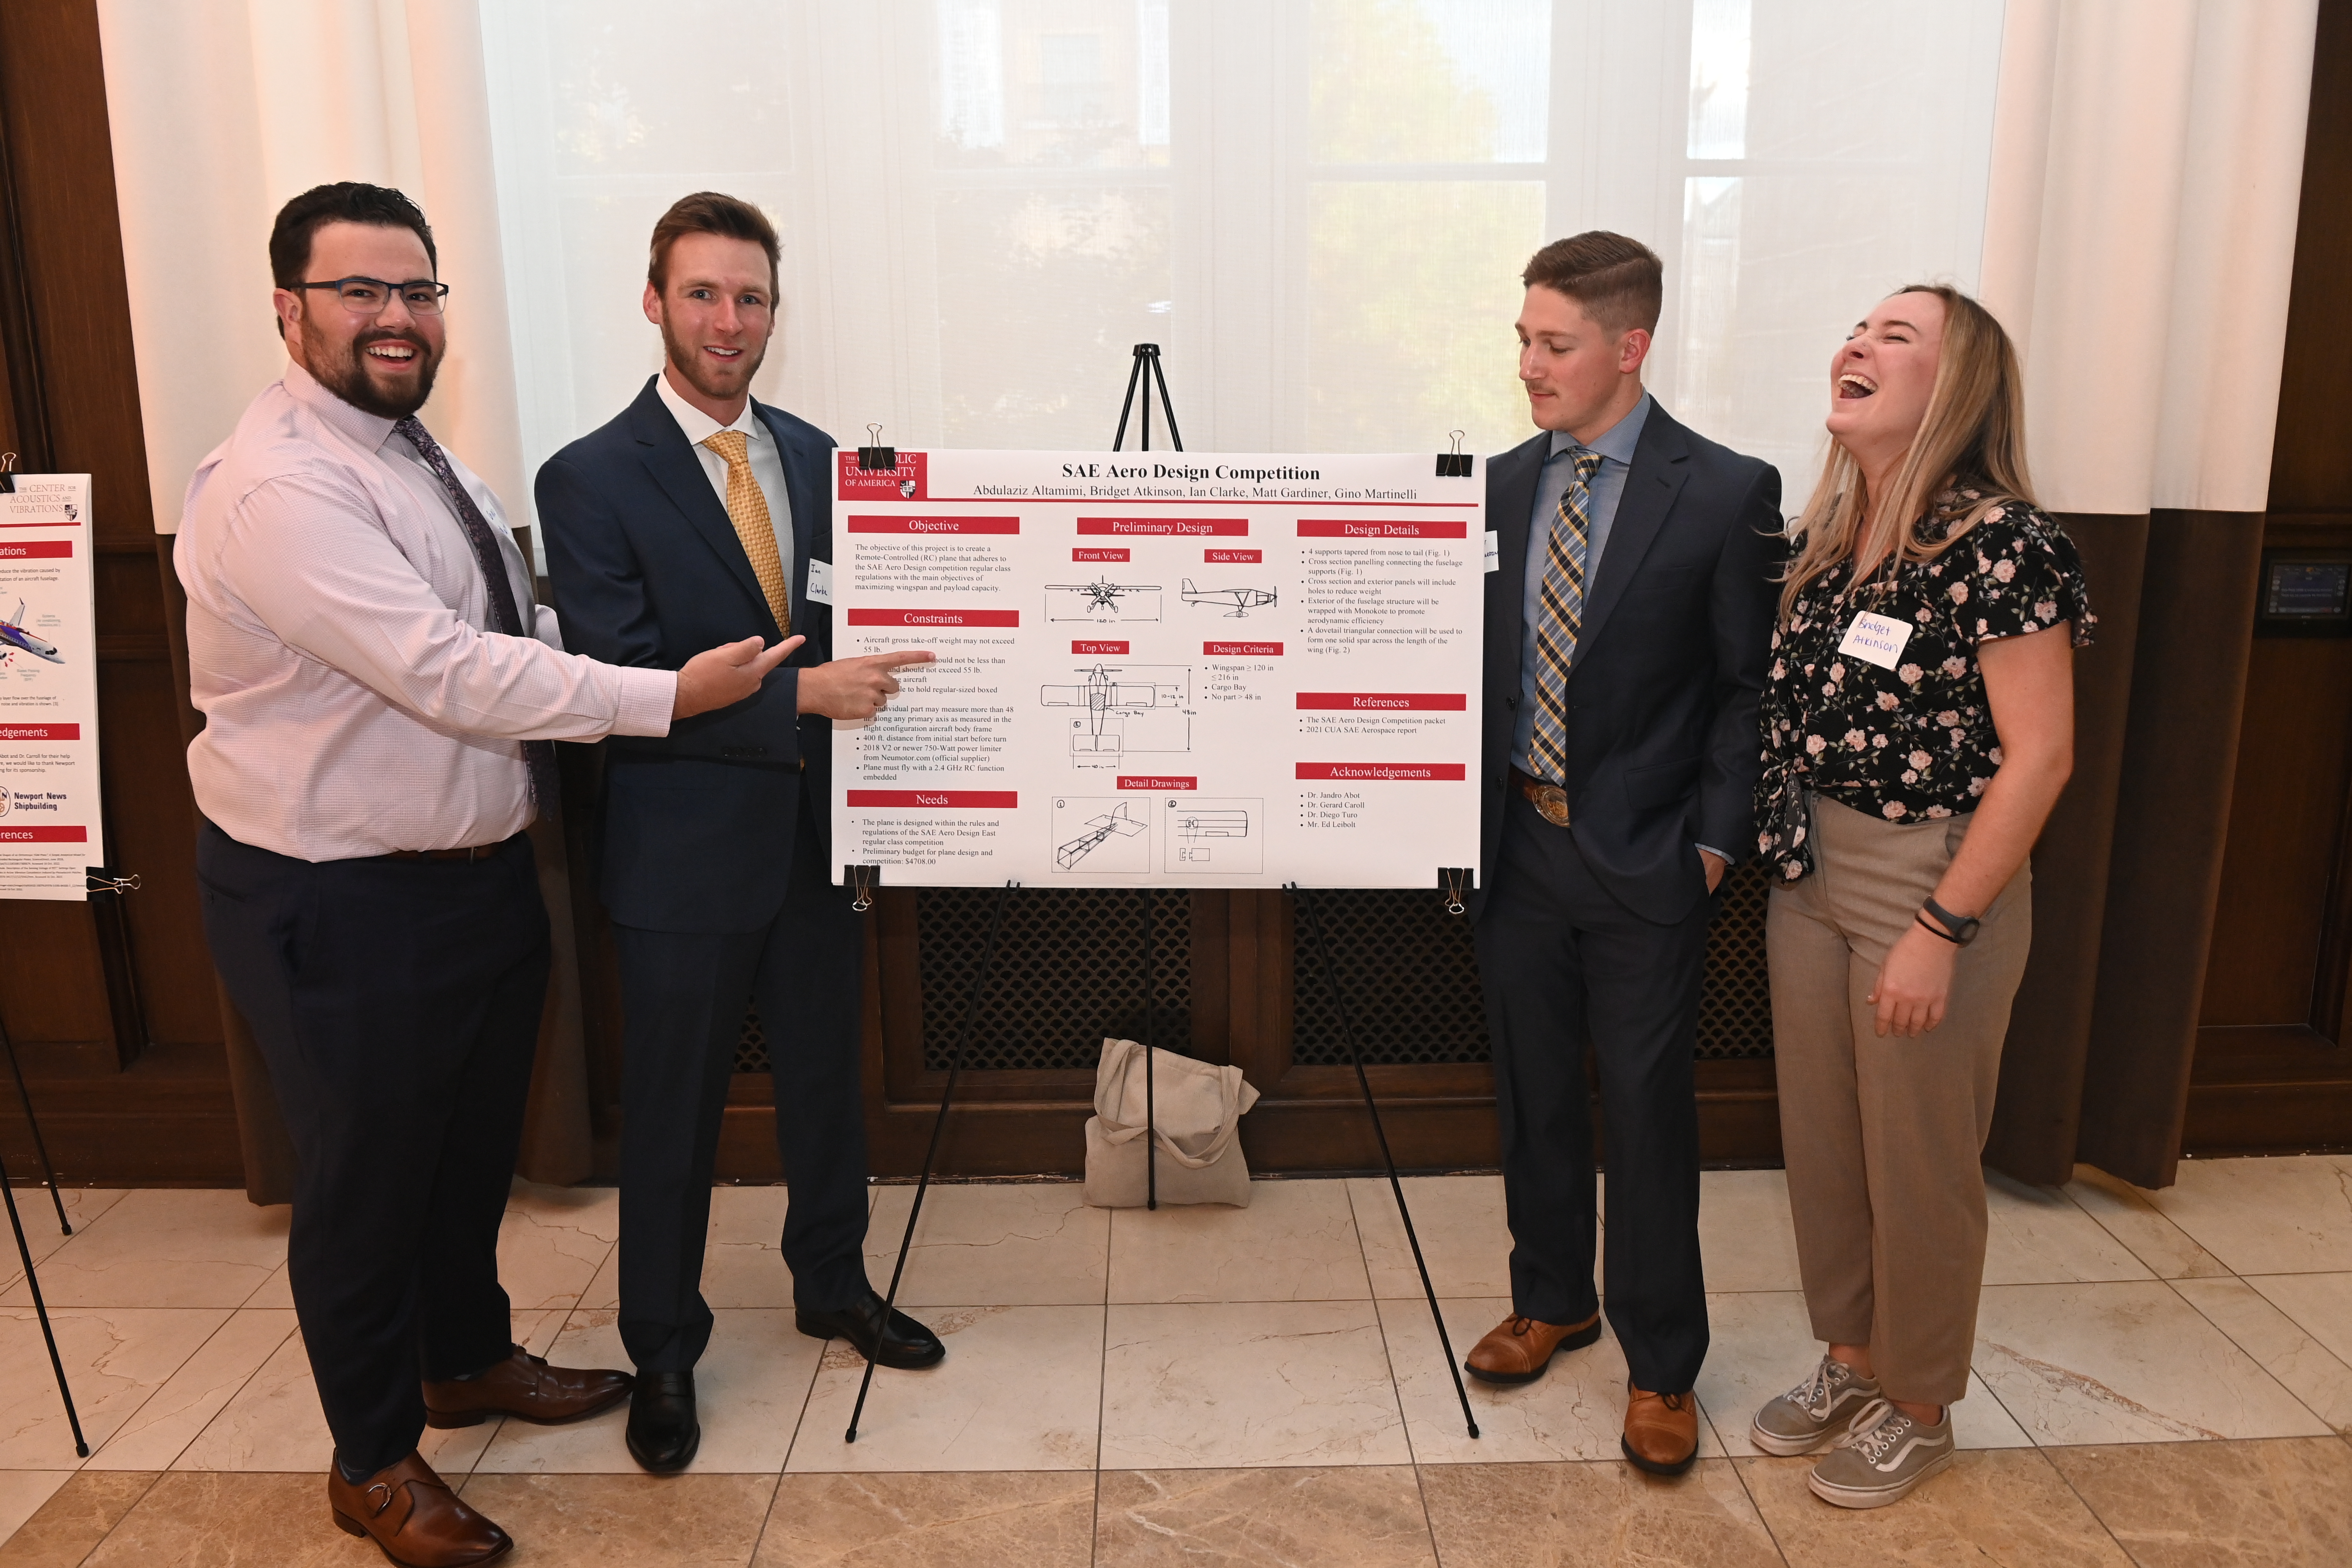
x=1317, y=208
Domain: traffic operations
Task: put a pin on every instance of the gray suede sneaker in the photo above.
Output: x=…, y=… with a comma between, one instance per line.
x=1813, y=1412
x=1882, y=1457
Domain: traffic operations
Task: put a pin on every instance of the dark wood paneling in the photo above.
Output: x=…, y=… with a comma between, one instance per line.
x=2036, y=1118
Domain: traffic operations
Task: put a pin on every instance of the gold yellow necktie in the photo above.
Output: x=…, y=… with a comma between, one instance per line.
x=747, y=509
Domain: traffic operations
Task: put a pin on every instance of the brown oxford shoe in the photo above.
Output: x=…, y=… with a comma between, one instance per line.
x=526, y=1386
x=1519, y=1349
x=413, y=1517
x=1661, y=1430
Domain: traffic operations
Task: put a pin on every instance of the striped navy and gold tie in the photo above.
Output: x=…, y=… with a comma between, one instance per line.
x=1560, y=617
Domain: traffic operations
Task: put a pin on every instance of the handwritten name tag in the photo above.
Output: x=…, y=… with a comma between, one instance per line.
x=1493, y=551
x=820, y=581
x=1876, y=639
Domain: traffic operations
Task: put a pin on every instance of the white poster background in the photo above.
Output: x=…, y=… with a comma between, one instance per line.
x=51, y=828
x=1162, y=669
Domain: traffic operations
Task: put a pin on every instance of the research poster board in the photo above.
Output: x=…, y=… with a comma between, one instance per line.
x=1161, y=670
x=51, y=829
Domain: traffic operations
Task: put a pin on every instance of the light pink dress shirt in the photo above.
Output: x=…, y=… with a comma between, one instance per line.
x=354, y=702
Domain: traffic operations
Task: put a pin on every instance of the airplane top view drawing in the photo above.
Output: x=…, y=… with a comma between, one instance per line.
x=13, y=635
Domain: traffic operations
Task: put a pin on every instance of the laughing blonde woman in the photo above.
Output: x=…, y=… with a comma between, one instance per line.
x=1918, y=726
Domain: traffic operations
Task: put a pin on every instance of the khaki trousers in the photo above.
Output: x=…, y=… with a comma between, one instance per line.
x=1882, y=1137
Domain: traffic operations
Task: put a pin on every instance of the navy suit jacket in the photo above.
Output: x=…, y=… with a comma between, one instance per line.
x=646, y=570
x=1662, y=745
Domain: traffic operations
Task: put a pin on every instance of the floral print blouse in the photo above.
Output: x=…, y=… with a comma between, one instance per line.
x=1917, y=740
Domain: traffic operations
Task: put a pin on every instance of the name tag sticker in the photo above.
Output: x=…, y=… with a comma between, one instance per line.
x=1876, y=639
x=820, y=581
x=1494, y=549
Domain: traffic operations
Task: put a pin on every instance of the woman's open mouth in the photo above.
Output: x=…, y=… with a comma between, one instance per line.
x=1853, y=383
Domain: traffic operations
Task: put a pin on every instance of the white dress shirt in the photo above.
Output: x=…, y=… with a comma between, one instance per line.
x=759, y=448
x=355, y=700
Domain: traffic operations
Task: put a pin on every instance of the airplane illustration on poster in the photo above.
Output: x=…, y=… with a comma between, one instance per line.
x=13, y=635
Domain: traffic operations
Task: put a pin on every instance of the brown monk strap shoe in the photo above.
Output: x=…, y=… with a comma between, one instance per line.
x=1519, y=1349
x=1661, y=1430
x=526, y=1386
x=413, y=1517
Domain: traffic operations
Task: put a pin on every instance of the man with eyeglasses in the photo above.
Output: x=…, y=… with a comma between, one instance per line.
x=381, y=693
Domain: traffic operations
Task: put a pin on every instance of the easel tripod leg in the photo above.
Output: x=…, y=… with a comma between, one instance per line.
x=1355, y=1055
x=931, y=1154
x=41, y=1310
x=40, y=1149
x=1150, y=1100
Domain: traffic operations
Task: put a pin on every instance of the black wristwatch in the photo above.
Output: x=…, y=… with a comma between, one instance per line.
x=1953, y=928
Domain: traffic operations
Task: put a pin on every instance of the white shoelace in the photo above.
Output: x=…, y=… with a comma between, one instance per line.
x=1876, y=1430
x=1813, y=1393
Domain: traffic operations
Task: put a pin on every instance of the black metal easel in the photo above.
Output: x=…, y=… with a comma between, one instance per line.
x=1348, y=1031
x=1147, y=373
x=1150, y=1105
x=24, y=1250
x=931, y=1154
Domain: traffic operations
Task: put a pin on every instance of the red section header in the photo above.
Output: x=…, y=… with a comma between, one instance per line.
x=1233, y=557
x=1157, y=781
x=904, y=483
x=1118, y=648
x=37, y=549
x=936, y=799
x=1318, y=528
x=1100, y=553
x=1358, y=702
x=1439, y=771
x=934, y=618
x=934, y=525
x=40, y=731
x=1237, y=526
x=9, y=835
x=1241, y=649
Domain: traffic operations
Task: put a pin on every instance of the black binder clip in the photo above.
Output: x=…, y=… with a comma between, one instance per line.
x=7, y=473
x=1454, y=465
x=862, y=881
x=1454, y=881
x=878, y=459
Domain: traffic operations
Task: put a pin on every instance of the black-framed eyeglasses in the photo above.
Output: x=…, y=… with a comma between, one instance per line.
x=369, y=296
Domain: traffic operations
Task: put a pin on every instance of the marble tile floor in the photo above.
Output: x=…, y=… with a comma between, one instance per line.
x=2160, y=1378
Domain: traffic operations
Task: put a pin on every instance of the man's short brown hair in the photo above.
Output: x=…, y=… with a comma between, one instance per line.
x=1619, y=281
x=710, y=211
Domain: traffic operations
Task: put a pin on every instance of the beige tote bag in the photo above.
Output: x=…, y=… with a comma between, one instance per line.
x=1197, y=1114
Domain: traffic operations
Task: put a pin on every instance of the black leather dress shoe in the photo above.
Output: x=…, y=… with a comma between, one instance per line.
x=905, y=1344
x=663, y=1432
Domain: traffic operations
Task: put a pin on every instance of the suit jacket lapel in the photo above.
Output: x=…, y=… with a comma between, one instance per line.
x=1661, y=464
x=670, y=459
x=1510, y=497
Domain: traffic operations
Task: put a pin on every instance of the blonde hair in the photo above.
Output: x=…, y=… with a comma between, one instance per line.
x=1973, y=430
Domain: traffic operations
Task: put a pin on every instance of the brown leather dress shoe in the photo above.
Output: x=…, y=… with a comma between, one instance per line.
x=1661, y=1430
x=1519, y=1349
x=525, y=1386
x=413, y=1517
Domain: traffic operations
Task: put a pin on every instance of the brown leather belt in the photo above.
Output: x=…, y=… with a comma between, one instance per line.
x=1549, y=800
x=473, y=852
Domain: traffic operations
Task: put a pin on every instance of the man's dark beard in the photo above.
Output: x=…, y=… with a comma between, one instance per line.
x=347, y=375
x=689, y=364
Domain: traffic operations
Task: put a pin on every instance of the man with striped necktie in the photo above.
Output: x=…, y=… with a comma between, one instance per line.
x=1629, y=606
x=702, y=507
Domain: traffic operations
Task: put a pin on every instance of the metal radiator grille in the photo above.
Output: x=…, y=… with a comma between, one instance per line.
x=751, y=1046
x=1413, y=980
x=1068, y=971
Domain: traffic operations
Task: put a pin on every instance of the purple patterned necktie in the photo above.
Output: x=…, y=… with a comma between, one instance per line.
x=505, y=616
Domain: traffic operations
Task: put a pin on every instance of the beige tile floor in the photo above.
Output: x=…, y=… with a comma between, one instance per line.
x=2160, y=1378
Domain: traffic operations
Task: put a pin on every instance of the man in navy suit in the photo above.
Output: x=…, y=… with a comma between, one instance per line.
x=1629, y=615
x=700, y=507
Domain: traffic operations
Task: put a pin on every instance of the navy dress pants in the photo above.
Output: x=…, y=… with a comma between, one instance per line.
x=1568, y=968
x=396, y=1003
x=683, y=996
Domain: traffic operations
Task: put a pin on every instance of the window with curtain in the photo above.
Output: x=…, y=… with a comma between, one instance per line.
x=1317, y=208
